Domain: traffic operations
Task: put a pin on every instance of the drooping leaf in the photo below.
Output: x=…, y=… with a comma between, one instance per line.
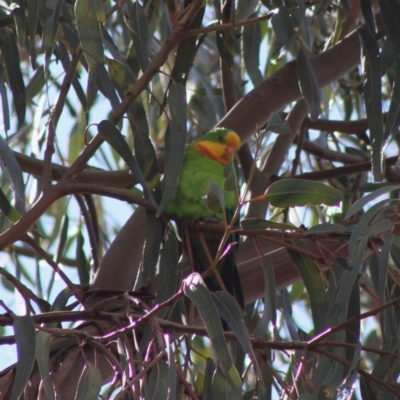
x=308, y=84
x=14, y=74
x=51, y=26
x=175, y=141
x=10, y=164
x=368, y=14
x=363, y=201
x=4, y=101
x=227, y=385
x=89, y=32
x=230, y=312
x=392, y=124
x=276, y=125
x=390, y=11
x=20, y=22
x=157, y=384
x=300, y=192
x=257, y=223
x=43, y=340
x=111, y=134
x=282, y=25
x=223, y=50
x=185, y=54
x=207, y=389
x=372, y=72
x=314, y=284
x=195, y=289
x=9, y=211
x=89, y=384
x=25, y=340
x=169, y=271
x=269, y=314
x=251, y=52
x=33, y=16
x=140, y=34
x=81, y=260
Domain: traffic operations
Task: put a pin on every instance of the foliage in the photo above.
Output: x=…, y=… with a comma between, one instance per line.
x=99, y=99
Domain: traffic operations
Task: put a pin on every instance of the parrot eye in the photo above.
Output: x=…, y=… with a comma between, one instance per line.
x=220, y=139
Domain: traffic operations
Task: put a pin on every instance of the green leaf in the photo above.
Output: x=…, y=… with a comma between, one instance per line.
x=363, y=225
x=140, y=34
x=224, y=51
x=90, y=32
x=157, y=382
x=300, y=192
x=197, y=292
x=4, y=101
x=112, y=135
x=20, y=22
x=144, y=150
x=258, y=224
x=308, y=84
x=276, y=125
x=151, y=251
x=227, y=385
x=269, y=314
x=25, y=340
x=175, y=140
x=172, y=384
x=372, y=72
x=89, y=384
x=33, y=16
x=36, y=84
x=50, y=27
x=186, y=52
x=14, y=74
x=393, y=118
x=315, y=286
x=282, y=24
x=81, y=261
x=327, y=227
x=9, y=211
x=215, y=198
x=43, y=340
x=230, y=312
x=390, y=11
x=64, y=57
x=207, y=389
x=169, y=272
x=10, y=164
x=251, y=52
x=363, y=201
x=121, y=75
x=368, y=14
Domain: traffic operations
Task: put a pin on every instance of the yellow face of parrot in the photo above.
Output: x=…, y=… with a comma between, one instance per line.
x=220, y=145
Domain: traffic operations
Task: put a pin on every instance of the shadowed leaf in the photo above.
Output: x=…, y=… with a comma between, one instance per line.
x=372, y=72
x=43, y=340
x=89, y=384
x=140, y=35
x=14, y=74
x=25, y=340
x=308, y=84
x=196, y=291
x=174, y=143
x=300, y=192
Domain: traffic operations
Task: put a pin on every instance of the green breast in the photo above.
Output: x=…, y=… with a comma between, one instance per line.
x=197, y=171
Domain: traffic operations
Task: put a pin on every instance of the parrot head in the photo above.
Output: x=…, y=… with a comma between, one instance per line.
x=220, y=145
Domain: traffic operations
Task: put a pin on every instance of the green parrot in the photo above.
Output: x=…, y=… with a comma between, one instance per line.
x=205, y=160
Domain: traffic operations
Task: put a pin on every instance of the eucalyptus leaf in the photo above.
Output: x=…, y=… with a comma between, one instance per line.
x=299, y=192
x=195, y=289
x=25, y=340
